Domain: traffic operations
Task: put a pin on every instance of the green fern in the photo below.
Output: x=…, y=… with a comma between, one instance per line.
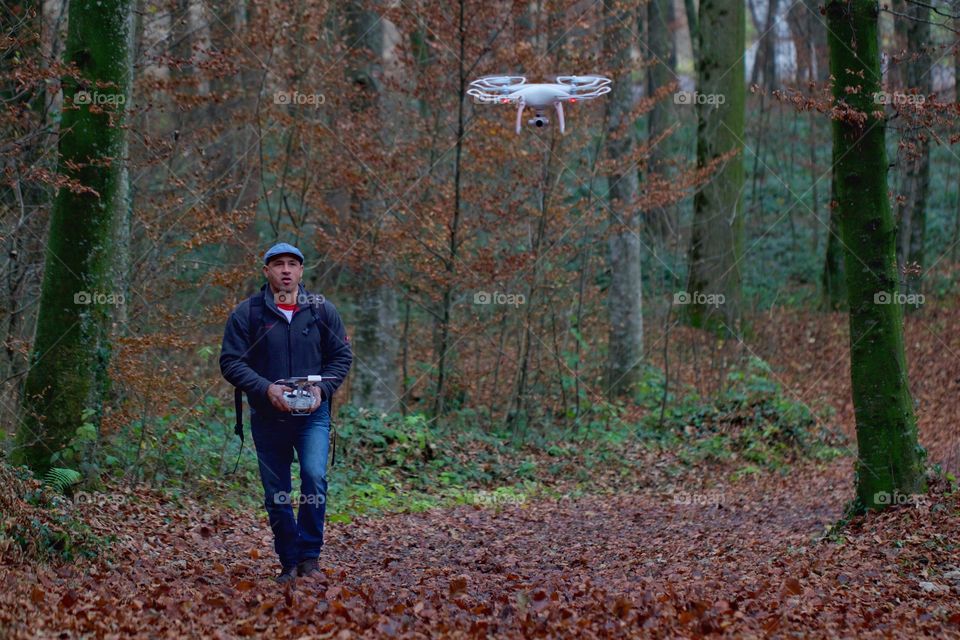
x=61, y=479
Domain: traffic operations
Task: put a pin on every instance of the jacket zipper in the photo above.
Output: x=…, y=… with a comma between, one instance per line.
x=289, y=352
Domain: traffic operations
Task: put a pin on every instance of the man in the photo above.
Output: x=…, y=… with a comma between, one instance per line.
x=283, y=332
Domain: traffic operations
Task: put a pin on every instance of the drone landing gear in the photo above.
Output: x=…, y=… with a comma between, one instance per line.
x=539, y=119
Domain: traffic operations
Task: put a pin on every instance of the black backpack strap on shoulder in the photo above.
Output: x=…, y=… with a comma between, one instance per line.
x=254, y=316
x=319, y=311
x=238, y=427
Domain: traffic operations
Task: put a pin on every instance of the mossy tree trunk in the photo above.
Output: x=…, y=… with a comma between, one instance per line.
x=890, y=460
x=716, y=242
x=661, y=71
x=624, y=297
x=71, y=352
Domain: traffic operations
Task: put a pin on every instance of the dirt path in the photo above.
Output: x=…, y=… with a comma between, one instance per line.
x=735, y=560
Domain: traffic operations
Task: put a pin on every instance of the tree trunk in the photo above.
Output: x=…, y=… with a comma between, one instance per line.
x=890, y=460
x=625, y=294
x=71, y=351
x=444, y=355
x=765, y=62
x=834, y=290
x=660, y=73
x=377, y=382
x=693, y=26
x=916, y=178
x=24, y=200
x=956, y=98
x=809, y=40
x=713, y=289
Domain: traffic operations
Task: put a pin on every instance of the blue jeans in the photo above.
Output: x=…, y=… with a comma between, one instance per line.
x=275, y=441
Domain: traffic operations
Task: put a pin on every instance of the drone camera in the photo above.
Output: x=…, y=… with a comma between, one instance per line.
x=539, y=121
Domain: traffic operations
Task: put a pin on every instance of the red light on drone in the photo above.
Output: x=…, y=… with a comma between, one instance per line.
x=504, y=100
x=572, y=100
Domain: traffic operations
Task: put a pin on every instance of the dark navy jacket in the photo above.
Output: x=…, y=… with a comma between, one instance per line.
x=254, y=358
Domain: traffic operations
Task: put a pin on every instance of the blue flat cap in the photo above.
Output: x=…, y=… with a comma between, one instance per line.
x=282, y=248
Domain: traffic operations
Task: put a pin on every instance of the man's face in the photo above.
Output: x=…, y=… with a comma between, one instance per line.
x=283, y=272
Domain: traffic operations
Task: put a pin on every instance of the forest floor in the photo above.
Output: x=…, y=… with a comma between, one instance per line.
x=688, y=556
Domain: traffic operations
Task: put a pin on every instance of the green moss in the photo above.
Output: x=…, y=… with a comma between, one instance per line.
x=716, y=243
x=68, y=364
x=889, y=457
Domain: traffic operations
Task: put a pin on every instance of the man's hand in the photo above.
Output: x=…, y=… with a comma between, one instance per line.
x=317, y=397
x=275, y=394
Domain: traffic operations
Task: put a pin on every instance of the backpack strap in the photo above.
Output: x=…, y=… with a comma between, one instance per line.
x=254, y=317
x=319, y=311
x=238, y=427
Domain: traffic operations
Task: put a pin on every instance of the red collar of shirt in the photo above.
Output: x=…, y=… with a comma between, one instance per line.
x=288, y=307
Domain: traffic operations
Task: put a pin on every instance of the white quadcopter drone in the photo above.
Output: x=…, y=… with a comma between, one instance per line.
x=540, y=97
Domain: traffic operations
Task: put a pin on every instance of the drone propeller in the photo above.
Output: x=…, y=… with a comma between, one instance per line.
x=583, y=83
x=501, y=80
x=498, y=82
x=495, y=88
x=488, y=97
x=585, y=94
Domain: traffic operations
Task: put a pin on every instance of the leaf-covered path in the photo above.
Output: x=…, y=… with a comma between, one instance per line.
x=739, y=559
